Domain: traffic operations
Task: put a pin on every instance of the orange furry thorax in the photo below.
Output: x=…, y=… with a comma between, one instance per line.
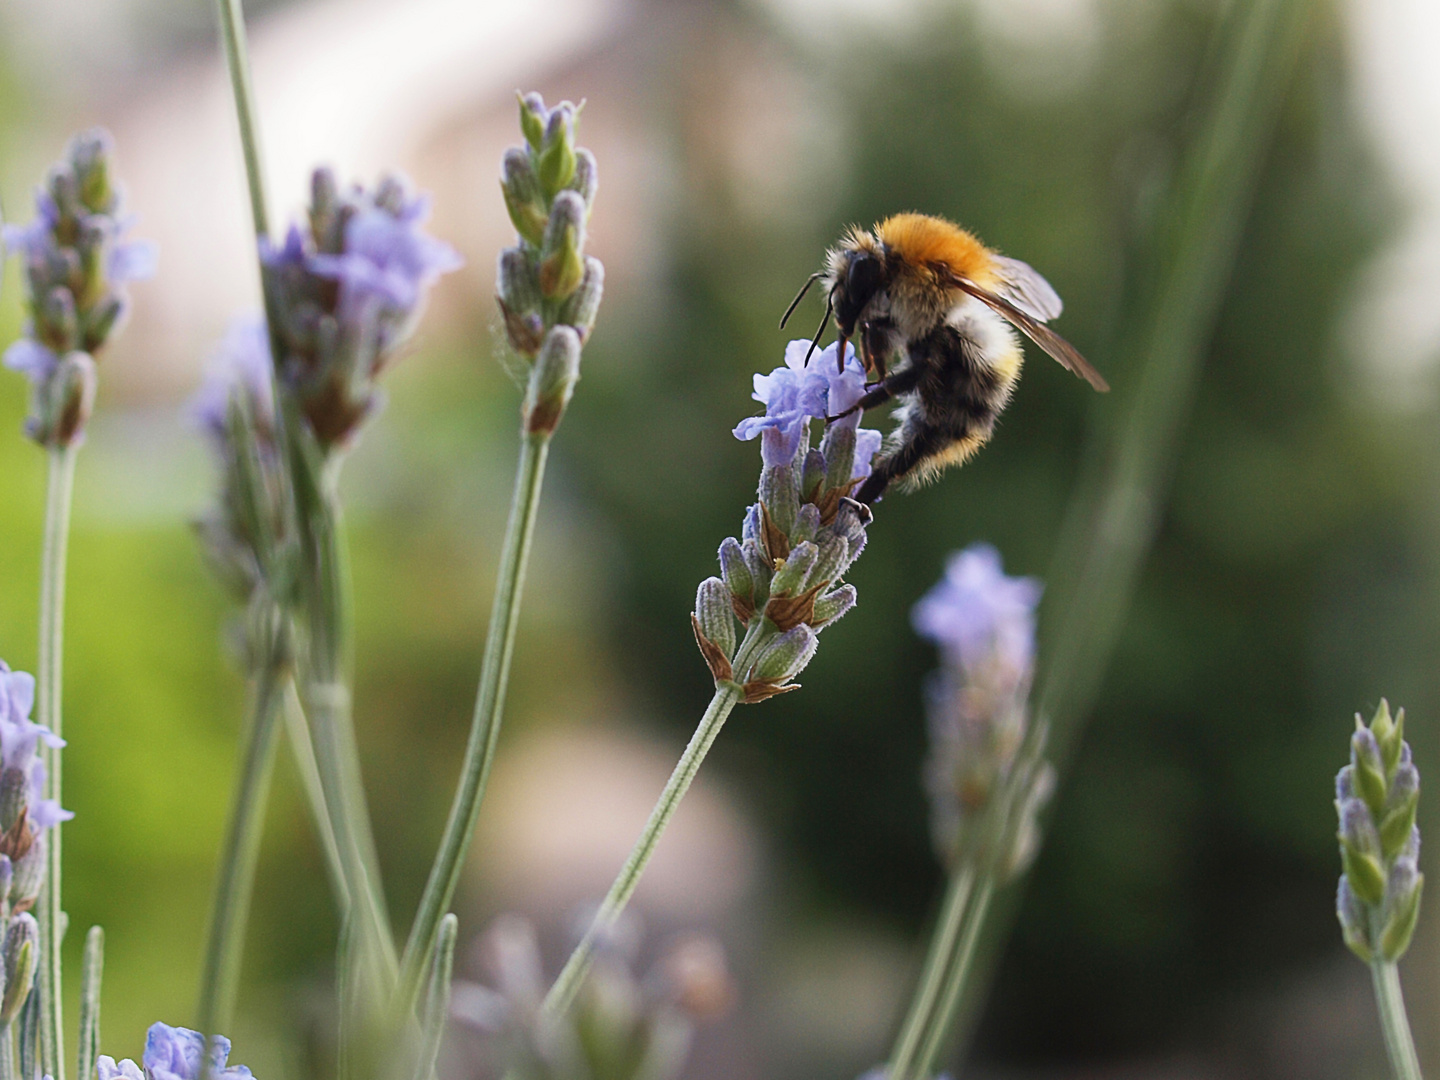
x=921, y=240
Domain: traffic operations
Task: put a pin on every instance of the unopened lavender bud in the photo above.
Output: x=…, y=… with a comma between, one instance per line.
x=101, y=322
x=1345, y=784
x=779, y=496
x=1357, y=829
x=64, y=402
x=834, y=604
x=1402, y=908
x=533, y=116
x=1399, y=819
x=56, y=322
x=1390, y=734
x=761, y=569
x=812, y=474
x=22, y=944
x=586, y=179
x=29, y=875
x=517, y=280
x=64, y=189
x=552, y=380
x=90, y=160
x=734, y=569
x=839, y=449
x=715, y=614
x=790, y=578
x=555, y=163
x=521, y=189
x=1354, y=921
x=561, y=263
x=786, y=655
x=1369, y=778
x=833, y=558
x=807, y=523
x=751, y=529
x=14, y=794
x=581, y=307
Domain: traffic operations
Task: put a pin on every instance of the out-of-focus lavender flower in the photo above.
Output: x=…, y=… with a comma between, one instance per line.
x=782, y=580
x=25, y=814
x=76, y=262
x=1376, y=796
x=983, y=793
x=623, y=1026
x=240, y=365
x=347, y=292
x=175, y=1053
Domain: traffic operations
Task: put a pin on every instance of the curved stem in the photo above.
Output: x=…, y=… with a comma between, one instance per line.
x=932, y=976
x=50, y=916
x=1393, y=1022
x=576, y=968
x=235, y=883
x=485, y=726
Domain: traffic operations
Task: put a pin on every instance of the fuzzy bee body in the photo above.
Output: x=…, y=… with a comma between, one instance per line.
x=927, y=297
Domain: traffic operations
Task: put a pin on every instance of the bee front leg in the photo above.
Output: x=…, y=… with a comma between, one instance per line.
x=901, y=382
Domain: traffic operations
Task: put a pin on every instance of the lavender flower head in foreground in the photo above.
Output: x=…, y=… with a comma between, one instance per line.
x=76, y=262
x=175, y=1053
x=346, y=293
x=1376, y=795
x=25, y=816
x=781, y=580
x=984, y=624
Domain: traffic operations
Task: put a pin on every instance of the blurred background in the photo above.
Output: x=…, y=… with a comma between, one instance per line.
x=1179, y=922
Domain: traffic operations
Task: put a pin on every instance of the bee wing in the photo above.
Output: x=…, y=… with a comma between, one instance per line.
x=1022, y=285
x=1037, y=332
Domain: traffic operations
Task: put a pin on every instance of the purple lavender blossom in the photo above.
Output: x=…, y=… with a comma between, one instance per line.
x=240, y=364
x=177, y=1053
x=795, y=394
x=977, y=614
x=108, y=1069
x=19, y=738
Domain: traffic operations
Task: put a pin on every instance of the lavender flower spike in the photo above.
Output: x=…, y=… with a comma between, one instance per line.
x=978, y=615
x=175, y=1053
x=76, y=263
x=22, y=774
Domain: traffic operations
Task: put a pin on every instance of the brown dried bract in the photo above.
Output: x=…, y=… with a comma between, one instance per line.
x=17, y=840
x=743, y=607
x=719, y=663
x=788, y=612
x=829, y=503
x=777, y=544
x=757, y=690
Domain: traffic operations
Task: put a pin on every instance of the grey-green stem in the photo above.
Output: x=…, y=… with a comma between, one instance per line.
x=572, y=976
x=49, y=914
x=485, y=725
x=235, y=882
x=927, y=1062
x=1394, y=1024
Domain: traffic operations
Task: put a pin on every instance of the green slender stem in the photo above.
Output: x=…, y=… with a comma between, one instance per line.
x=949, y=1001
x=50, y=916
x=437, y=997
x=235, y=883
x=29, y=1037
x=932, y=976
x=485, y=726
x=92, y=970
x=237, y=61
x=297, y=732
x=1393, y=1022
x=576, y=968
x=7, y=1053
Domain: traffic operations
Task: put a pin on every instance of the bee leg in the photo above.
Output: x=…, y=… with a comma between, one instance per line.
x=918, y=443
x=902, y=382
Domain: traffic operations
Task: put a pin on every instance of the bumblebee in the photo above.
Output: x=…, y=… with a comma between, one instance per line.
x=924, y=295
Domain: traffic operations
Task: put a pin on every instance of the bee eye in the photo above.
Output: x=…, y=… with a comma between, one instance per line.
x=863, y=279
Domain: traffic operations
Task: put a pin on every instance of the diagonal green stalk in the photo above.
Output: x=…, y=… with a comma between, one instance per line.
x=948, y=1003
x=297, y=731
x=92, y=970
x=485, y=726
x=50, y=916
x=437, y=998
x=235, y=882
x=727, y=695
x=1394, y=1024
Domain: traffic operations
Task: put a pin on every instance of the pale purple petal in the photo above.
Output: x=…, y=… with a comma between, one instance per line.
x=239, y=364
x=28, y=356
x=177, y=1053
x=133, y=261
x=976, y=613
x=867, y=445
x=125, y=1070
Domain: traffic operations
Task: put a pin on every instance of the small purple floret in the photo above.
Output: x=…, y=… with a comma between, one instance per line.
x=177, y=1053
x=976, y=613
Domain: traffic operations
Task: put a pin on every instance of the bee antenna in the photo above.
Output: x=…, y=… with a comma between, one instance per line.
x=800, y=296
x=829, y=307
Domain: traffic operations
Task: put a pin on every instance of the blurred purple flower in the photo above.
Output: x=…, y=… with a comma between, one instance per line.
x=240, y=364
x=108, y=1069
x=977, y=614
x=19, y=737
x=177, y=1053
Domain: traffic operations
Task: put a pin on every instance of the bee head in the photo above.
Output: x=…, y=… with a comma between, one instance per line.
x=856, y=282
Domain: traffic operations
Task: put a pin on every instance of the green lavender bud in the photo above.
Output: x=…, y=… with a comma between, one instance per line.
x=14, y=795
x=735, y=571
x=555, y=161
x=29, y=875
x=833, y=605
x=780, y=500
x=1378, y=899
x=63, y=402
x=521, y=189
x=790, y=578
x=561, y=264
x=532, y=118
x=517, y=285
x=587, y=178
x=581, y=307
x=21, y=951
x=807, y=524
x=812, y=475
x=838, y=447
x=831, y=561
x=552, y=380
x=715, y=615
x=785, y=656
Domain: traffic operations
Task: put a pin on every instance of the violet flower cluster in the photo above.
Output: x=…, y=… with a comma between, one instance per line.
x=245, y=534
x=76, y=263
x=25, y=817
x=984, y=624
x=623, y=1026
x=548, y=289
x=1376, y=795
x=344, y=294
x=781, y=581
x=175, y=1053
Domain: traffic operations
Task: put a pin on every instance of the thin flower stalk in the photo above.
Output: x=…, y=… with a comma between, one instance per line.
x=549, y=294
x=782, y=582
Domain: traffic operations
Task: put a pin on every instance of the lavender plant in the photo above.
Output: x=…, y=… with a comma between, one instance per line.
x=1378, y=899
x=176, y=1053
x=76, y=263
x=780, y=582
x=986, y=776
